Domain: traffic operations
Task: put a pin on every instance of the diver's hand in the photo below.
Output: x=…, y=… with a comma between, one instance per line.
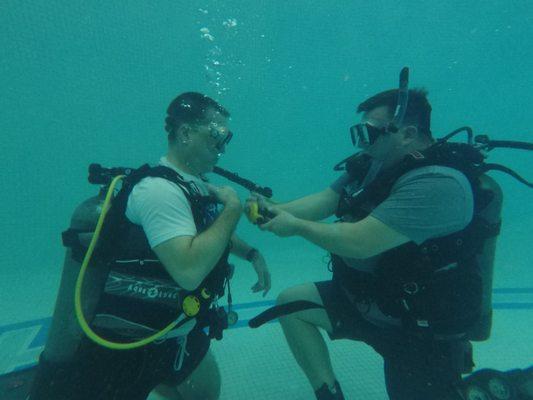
x=283, y=224
x=226, y=195
x=263, y=275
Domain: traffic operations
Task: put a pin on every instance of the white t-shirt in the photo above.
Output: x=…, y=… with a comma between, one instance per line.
x=161, y=208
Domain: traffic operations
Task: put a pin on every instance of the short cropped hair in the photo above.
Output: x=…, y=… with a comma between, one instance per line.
x=190, y=108
x=418, y=111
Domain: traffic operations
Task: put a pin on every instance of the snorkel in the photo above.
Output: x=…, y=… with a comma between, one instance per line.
x=403, y=98
x=365, y=134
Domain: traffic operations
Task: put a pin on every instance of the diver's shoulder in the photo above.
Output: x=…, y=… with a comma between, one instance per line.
x=156, y=186
x=437, y=173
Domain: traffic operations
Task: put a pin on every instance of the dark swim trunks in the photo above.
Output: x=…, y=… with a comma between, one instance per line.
x=415, y=368
x=98, y=373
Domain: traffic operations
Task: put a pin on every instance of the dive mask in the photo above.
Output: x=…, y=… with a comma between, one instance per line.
x=222, y=138
x=365, y=134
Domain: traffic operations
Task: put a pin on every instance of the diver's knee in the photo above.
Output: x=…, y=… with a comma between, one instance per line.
x=291, y=294
x=284, y=297
x=208, y=391
x=204, y=382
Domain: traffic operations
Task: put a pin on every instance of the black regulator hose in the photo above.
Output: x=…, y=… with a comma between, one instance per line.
x=247, y=184
x=103, y=176
x=509, y=144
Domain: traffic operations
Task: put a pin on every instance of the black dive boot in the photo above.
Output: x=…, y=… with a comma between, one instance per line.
x=329, y=393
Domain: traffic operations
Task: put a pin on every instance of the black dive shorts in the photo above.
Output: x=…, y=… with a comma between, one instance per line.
x=98, y=373
x=348, y=322
x=415, y=368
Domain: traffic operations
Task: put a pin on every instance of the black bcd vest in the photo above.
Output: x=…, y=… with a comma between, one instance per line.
x=435, y=286
x=139, y=289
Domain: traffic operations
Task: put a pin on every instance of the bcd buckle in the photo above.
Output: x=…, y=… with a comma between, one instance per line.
x=411, y=288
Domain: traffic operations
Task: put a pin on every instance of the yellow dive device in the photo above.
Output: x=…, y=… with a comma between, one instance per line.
x=258, y=215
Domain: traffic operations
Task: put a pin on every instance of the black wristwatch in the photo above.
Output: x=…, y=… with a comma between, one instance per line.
x=252, y=254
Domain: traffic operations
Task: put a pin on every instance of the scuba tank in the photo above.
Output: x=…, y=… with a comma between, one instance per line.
x=491, y=214
x=65, y=332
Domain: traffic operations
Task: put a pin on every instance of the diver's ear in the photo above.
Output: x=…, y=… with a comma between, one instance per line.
x=410, y=133
x=183, y=134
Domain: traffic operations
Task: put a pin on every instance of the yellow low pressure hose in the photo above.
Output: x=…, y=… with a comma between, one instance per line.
x=79, y=284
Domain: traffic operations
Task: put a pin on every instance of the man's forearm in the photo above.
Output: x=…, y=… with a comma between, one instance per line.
x=298, y=208
x=336, y=238
x=208, y=247
x=239, y=247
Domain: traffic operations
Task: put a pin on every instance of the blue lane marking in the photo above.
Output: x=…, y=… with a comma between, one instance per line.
x=513, y=290
x=253, y=304
x=512, y=306
x=25, y=324
x=42, y=335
